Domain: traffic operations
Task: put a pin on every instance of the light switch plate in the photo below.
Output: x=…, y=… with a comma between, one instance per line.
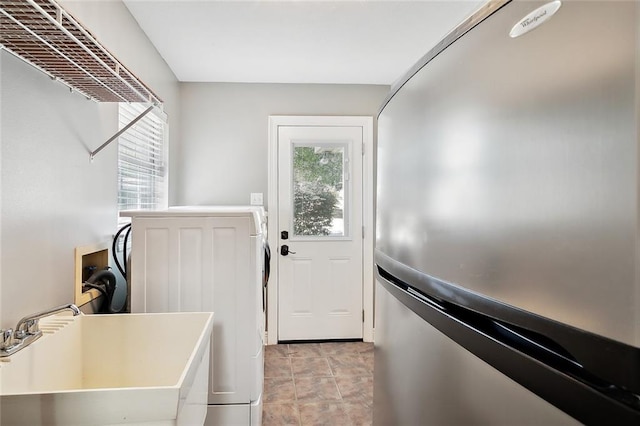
x=256, y=198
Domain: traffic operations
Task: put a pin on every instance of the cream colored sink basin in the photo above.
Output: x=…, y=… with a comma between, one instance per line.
x=147, y=369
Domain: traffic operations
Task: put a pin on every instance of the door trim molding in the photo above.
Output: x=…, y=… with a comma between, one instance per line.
x=366, y=123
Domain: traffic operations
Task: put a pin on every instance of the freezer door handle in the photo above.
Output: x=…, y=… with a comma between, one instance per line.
x=525, y=341
x=530, y=358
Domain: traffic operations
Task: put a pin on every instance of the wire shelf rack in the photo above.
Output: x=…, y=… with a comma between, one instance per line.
x=43, y=34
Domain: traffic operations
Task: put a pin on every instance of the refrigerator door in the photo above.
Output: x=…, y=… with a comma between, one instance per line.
x=507, y=221
x=509, y=166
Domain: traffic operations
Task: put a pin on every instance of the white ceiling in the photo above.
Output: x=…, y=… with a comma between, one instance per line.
x=342, y=42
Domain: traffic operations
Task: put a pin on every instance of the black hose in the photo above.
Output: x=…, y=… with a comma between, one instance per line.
x=114, y=247
x=124, y=251
x=105, y=282
x=100, y=288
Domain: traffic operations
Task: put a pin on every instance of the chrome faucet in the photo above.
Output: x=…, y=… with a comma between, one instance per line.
x=27, y=330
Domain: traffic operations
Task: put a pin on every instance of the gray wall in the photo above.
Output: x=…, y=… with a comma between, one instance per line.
x=223, y=156
x=51, y=198
x=112, y=24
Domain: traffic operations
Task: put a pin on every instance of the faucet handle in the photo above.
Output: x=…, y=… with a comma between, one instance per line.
x=6, y=337
x=29, y=327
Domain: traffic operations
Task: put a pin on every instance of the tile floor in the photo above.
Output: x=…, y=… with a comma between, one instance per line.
x=318, y=384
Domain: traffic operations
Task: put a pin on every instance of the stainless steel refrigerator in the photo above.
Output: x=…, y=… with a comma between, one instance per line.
x=507, y=248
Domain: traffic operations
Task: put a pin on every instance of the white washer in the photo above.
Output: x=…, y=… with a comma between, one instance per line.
x=209, y=258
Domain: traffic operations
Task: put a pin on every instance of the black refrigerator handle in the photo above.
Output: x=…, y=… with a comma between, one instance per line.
x=612, y=361
x=531, y=359
x=527, y=342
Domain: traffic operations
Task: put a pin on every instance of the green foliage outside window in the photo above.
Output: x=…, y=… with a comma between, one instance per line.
x=317, y=182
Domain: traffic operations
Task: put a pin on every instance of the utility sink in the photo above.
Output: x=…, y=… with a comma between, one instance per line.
x=149, y=369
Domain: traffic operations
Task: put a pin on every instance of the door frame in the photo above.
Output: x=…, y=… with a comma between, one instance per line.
x=366, y=123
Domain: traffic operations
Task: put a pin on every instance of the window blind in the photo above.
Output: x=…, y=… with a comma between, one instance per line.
x=142, y=174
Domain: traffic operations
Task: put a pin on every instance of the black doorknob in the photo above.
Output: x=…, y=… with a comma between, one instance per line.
x=284, y=250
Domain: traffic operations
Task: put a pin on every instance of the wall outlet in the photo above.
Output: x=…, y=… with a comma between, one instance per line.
x=256, y=198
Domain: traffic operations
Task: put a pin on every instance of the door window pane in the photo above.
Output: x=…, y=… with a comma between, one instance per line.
x=319, y=207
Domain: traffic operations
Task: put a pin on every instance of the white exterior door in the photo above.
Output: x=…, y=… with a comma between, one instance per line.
x=320, y=225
